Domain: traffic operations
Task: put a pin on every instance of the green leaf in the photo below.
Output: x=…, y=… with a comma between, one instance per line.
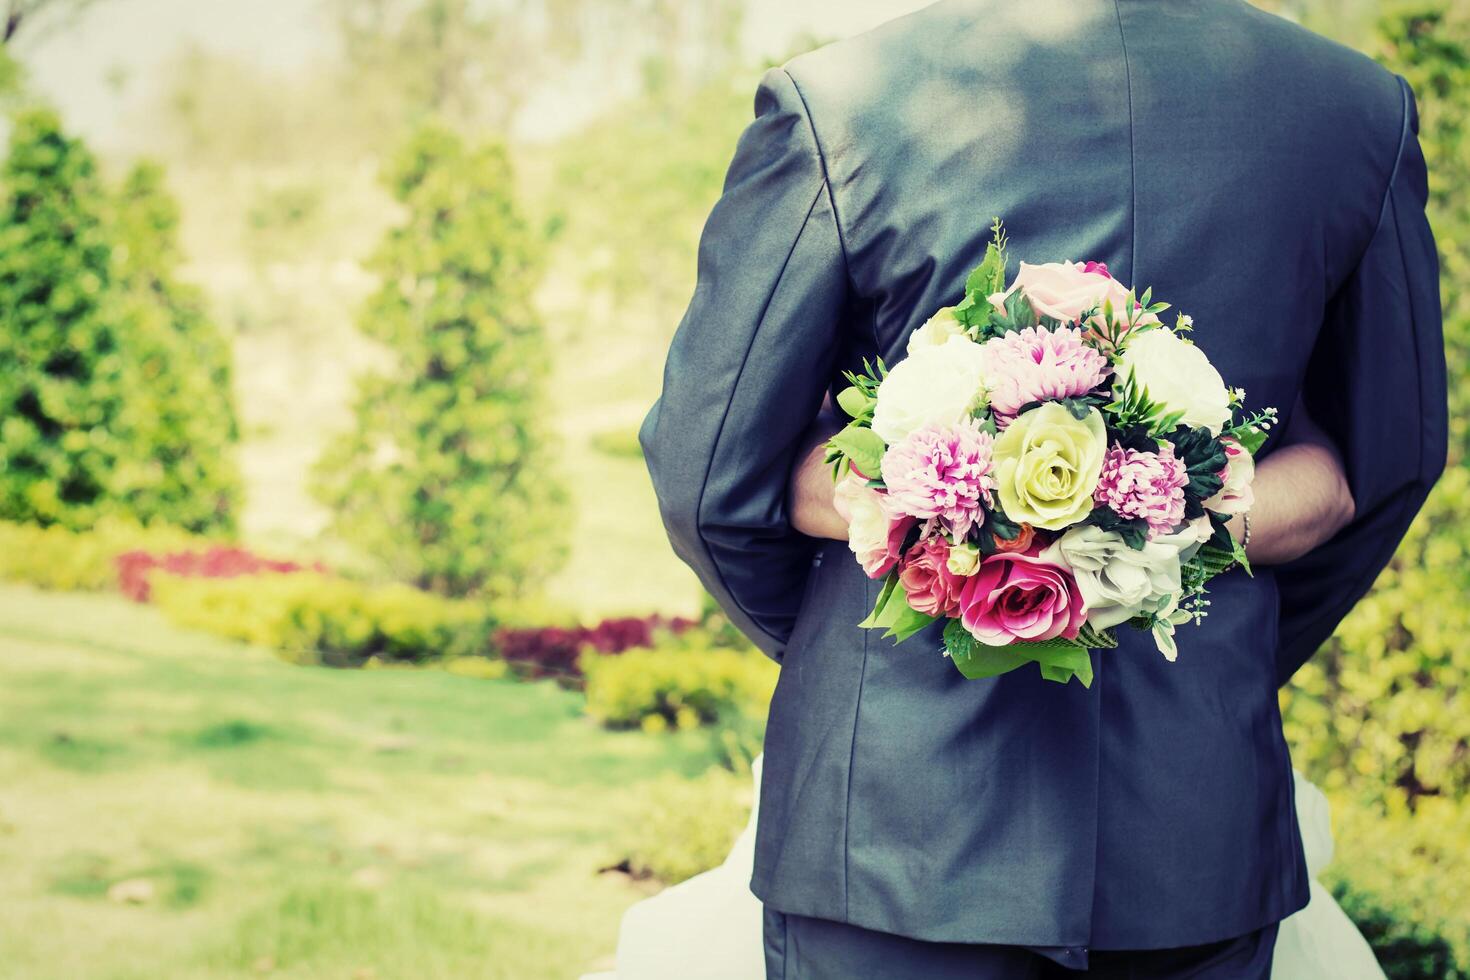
x=1252, y=438
x=855, y=402
x=880, y=607
x=862, y=446
x=908, y=622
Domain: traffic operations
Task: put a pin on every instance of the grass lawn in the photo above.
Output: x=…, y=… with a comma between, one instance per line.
x=282, y=821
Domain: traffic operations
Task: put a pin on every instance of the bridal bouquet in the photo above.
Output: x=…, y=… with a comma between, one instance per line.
x=1050, y=461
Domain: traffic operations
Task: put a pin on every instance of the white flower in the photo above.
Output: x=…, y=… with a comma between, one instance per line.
x=1188, y=539
x=1177, y=375
x=937, y=330
x=867, y=517
x=1117, y=582
x=935, y=385
x=964, y=560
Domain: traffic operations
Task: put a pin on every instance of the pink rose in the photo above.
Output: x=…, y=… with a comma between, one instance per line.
x=1066, y=290
x=931, y=587
x=1020, y=596
x=1236, y=496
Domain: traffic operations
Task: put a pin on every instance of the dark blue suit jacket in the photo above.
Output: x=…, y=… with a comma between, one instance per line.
x=1262, y=179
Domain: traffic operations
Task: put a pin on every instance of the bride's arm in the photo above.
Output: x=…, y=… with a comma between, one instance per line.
x=1301, y=495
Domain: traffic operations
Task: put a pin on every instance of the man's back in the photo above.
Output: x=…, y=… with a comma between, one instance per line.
x=1247, y=170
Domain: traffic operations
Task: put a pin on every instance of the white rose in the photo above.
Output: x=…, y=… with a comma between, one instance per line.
x=936, y=385
x=867, y=520
x=1188, y=539
x=1178, y=376
x=1116, y=582
x=938, y=329
x=1236, y=496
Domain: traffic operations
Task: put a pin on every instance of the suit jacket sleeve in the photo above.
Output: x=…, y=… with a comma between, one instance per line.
x=748, y=368
x=1376, y=383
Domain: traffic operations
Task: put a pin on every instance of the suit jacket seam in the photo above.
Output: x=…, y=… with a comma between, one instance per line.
x=806, y=111
x=715, y=445
x=1132, y=153
x=1406, y=502
x=1393, y=175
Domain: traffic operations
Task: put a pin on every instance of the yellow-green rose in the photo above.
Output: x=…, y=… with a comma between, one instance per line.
x=1047, y=464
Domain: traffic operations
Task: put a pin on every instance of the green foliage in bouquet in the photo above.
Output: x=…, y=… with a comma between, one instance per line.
x=178, y=373
x=449, y=475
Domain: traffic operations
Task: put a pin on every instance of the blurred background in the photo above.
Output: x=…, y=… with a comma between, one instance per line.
x=339, y=636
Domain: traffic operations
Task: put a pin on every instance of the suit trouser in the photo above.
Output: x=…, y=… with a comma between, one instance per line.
x=803, y=948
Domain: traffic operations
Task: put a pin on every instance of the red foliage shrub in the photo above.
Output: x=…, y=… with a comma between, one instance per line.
x=218, y=562
x=552, y=651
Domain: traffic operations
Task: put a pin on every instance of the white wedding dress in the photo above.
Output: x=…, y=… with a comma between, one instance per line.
x=709, y=927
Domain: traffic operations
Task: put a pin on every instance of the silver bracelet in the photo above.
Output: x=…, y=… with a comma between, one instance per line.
x=1245, y=538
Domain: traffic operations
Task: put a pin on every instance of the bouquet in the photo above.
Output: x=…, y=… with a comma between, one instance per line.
x=1049, y=462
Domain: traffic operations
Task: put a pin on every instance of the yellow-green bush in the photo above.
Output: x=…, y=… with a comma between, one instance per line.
x=66, y=560
x=1401, y=879
x=312, y=618
x=681, y=827
x=684, y=683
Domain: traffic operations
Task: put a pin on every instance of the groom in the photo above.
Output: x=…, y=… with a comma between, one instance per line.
x=916, y=824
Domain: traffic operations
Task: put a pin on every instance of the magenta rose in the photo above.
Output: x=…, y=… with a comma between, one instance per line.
x=931, y=587
x=1020, y=596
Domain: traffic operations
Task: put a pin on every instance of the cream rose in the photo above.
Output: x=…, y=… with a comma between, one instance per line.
x=935, y=385
x=868, y=520
x=1177, y=375
x=1117, y=582
x=1047, y=465
x=1236, y=496
x=937, y=330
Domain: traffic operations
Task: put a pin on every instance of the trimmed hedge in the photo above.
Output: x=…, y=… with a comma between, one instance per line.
x=556, y=651
x=60, y=559
x=682, y=684
x=316, y=619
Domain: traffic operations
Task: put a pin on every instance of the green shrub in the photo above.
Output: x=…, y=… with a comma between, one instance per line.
x=65, y=560
x=179, y=415
x=311, y=618
x=1401, y=878
x=684, y=683
x=681, y=827
x=450, y=475
x=115, y=393
x=62, y=386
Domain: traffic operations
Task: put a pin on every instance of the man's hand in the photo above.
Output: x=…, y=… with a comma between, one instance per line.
x=1302, y=495
x=810, y=492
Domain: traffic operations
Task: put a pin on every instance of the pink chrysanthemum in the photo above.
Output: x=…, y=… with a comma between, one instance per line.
x=1037, y=364
x=1146, y=485
x=941, y=471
